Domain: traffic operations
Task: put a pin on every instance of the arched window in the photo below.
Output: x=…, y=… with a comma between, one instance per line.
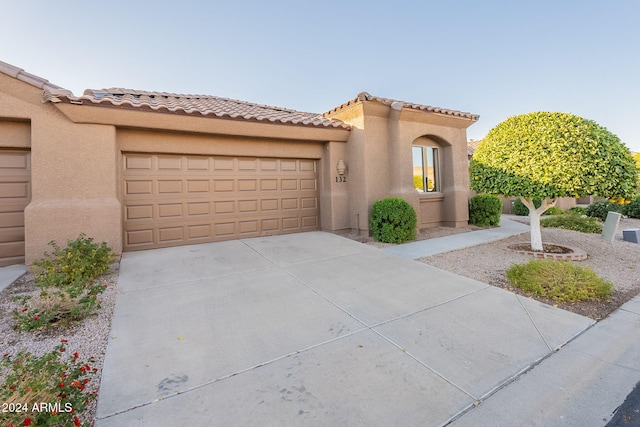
x=426, y=173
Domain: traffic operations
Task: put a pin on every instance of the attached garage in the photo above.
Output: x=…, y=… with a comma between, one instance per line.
x=171, y=200
x=142, y=170
x=15, y=194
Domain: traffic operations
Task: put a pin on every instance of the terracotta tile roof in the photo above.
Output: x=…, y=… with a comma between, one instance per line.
x=364, y=96
x=202, y=105
x=33, y=80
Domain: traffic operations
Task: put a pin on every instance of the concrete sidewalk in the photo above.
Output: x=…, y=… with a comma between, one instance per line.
x=312, y=329
x=424, y=248
x=581, y=385
x=10, y=274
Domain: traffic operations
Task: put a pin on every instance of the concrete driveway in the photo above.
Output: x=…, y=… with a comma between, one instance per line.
x=311, y=329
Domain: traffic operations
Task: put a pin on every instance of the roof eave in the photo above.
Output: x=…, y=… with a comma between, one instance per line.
x=136, y=117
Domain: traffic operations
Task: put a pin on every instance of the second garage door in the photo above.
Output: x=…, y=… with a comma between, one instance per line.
x=172, y=200
x=15, y=194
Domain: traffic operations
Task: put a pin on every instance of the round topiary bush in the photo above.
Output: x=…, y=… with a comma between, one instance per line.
x=393, y=220
x=485, y=210
x=602, y=208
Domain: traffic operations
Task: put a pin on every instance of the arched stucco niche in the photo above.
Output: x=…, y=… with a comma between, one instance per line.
x=435, y=176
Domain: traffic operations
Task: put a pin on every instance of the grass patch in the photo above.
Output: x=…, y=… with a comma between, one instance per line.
x=559, y=280
x=573, y=222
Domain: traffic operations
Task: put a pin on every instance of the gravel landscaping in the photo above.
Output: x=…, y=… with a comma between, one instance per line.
x=618, y=262
x=88, y=339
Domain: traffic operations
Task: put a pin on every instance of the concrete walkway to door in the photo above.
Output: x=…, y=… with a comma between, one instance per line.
x=311, y=329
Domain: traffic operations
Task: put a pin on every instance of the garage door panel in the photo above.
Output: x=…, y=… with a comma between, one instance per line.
x=12, y=234
x=290, y=223
x=138, y=212
x=170, y=234
x=195, y=164
x=308, y=184
x=289, y=184
x=309, y=203
x=13, y=190
x=222, y=185
x=169, y=186
x=247, y=185
x=138, y=187
x=170, y=210
x=15, y=195
x=270, y=165
x=224, y=229
x=248, y=226
x=288, y=165
x=220, y=164
x=269, y=205
x=268, y=185
x=198, y=208
x=135, y=238
x=288, y=204
x=310, y=222
x=308, y=165
x=198, y=186
x=141, y=163
x=169, y=163
x=202, y=231
x=174, y=200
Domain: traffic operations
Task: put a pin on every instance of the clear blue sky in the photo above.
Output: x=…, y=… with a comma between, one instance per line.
x=492, y=58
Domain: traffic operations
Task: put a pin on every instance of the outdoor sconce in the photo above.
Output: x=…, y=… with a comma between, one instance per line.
x=341, y=167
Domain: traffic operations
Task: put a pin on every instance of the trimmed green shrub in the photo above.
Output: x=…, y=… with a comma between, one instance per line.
x=579, y=210
x=68, y=289
x=574, y=222
x=553, y=211
x=485, y=210
x=561, y=281
x=632, y=210
x=601, y=208
x=393, y=220
x=521, y=210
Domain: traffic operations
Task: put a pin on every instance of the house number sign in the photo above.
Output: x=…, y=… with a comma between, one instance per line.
x=341, y=179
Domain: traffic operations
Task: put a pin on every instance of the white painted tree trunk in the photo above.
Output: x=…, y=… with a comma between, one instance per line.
x=534, y=217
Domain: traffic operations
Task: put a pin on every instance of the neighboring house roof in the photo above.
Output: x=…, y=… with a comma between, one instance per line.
x=201, y=105
x=472, y=145
x=364, y=96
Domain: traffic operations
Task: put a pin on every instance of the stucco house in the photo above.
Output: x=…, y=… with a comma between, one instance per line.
x=144, y=170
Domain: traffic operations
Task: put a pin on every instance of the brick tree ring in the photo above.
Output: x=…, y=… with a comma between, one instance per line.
x=551, y=251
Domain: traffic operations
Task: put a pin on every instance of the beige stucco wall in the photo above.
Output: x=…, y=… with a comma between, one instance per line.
x=74, y=171
x=381, y=164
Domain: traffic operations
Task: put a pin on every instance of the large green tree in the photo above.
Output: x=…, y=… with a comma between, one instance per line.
x=550, y=155
x=637, y=159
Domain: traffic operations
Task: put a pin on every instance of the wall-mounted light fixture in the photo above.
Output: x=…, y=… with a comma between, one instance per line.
x=341, y=167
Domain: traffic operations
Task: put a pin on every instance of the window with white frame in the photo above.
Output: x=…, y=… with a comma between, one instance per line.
x=425, y=168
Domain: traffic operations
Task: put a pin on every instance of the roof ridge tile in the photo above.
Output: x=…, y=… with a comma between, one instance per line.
x=365, y=96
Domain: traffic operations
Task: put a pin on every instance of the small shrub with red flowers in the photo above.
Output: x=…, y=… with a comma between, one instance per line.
x=68, y=289
x=49, y=390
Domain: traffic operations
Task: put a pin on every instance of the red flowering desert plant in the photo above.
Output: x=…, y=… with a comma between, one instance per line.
x=49, y=390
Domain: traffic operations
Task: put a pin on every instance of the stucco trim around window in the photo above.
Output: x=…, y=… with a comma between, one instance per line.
x=426, y=168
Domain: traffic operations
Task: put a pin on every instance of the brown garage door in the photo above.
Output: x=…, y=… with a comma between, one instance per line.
x=172, y=200
x=15, y=194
